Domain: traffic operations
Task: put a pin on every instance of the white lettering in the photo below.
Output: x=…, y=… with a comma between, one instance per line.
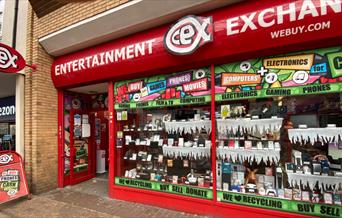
x=129, y=51
x=120, y=54
x=248, y=22
x=281, y=12
x=307, y=8
x=261, y=18
x=232, y=22
x=57, y=70
x=139, y=49
x=335, y=5
x=149, y=44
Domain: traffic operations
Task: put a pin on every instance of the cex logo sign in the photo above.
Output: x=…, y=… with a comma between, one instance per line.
x=11, y=61
x=188, y=34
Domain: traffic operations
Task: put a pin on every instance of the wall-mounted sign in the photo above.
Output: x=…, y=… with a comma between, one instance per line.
x=308, y=72
x=188, y=34
x=11, y=60
x=188, y=87
x=7, y=109
x=233, y=32
x=13, y=182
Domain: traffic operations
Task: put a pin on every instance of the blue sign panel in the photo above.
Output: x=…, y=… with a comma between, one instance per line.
x=7, y=109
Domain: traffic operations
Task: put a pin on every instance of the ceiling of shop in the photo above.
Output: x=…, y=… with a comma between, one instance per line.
x=115, y=23
x=91, y=89
x=7, y=85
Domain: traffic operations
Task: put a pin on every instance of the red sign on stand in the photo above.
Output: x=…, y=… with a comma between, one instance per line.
x=13, y=183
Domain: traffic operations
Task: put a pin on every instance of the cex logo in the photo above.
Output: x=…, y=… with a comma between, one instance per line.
x=7, y=59
x=188, y=34
x=11, y=60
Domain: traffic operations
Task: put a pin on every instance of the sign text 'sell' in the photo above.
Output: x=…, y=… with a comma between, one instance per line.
x=11, y=60
x=13, y=182
x=226, y=33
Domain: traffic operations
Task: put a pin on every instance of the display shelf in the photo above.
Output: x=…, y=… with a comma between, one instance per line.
x=328, y=134
x=248, y=154
x=188, y=126
x=251, y=125
x=194, y=152
x=309, y=179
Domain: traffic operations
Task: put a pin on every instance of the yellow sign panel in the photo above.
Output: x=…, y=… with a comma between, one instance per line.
x=296, y=62
x=234, y=79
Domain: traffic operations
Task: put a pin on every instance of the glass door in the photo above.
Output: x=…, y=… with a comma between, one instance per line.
x=82, y=156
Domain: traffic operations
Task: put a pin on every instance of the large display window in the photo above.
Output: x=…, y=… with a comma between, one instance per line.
x=163, y=129
x=278, y=140
x=277, y=137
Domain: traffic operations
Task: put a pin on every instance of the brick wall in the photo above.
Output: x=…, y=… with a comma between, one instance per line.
x=40, y=94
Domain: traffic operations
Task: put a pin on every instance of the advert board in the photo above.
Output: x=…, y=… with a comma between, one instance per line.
x=307, y=72
x=182, y=88
x=13, y=182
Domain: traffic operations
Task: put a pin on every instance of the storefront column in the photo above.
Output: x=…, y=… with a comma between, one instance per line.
x=111, y=138
x=213, y=128
x=19, y=114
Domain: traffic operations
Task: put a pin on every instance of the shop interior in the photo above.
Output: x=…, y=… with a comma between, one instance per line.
x=85, y=133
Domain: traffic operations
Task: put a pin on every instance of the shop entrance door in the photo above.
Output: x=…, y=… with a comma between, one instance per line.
x=82, y=149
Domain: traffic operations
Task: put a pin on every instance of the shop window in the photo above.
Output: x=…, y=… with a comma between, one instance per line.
x=279, y=132
x=163, y=132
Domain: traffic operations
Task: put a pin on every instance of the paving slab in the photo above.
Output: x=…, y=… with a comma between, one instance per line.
x=88, y=199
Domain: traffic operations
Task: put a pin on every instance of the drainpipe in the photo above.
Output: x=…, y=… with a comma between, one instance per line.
x=14, y=35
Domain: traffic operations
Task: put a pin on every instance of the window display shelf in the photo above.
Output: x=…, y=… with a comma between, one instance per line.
x=248, y=154
x=329, y=134
x=187, y=126
x=309, y=179
x=251, y=125
x=194, y=152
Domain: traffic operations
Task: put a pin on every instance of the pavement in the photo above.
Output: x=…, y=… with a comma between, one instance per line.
x=88, y=199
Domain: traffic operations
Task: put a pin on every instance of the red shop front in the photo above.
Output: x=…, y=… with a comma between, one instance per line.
x=237, y=111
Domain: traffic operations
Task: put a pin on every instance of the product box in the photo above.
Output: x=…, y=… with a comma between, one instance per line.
x=305, y=196
x=297, y=195
x=288, y=194
x=337, y=199
x=327, y=198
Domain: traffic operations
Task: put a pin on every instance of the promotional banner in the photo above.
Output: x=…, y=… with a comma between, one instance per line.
x=307, y=72
x=166, y=187
x=13, y=182
x=307, y=208
x=183, y=88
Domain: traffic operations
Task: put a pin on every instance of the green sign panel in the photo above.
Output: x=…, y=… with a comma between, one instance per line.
x=308, y=72
x=166, y=187
x=183, y=88
x=307, y=208
x=304, y=90
x=335, y=63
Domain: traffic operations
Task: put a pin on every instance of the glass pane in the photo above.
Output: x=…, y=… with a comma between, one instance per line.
x=163, y=132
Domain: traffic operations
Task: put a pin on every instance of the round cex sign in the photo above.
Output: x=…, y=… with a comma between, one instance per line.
x=188, y=34
x=11, y=61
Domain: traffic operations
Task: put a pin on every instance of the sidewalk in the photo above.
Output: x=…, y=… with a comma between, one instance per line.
x=84, y=200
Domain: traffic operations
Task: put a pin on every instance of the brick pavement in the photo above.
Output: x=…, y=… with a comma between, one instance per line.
x=83, y=200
